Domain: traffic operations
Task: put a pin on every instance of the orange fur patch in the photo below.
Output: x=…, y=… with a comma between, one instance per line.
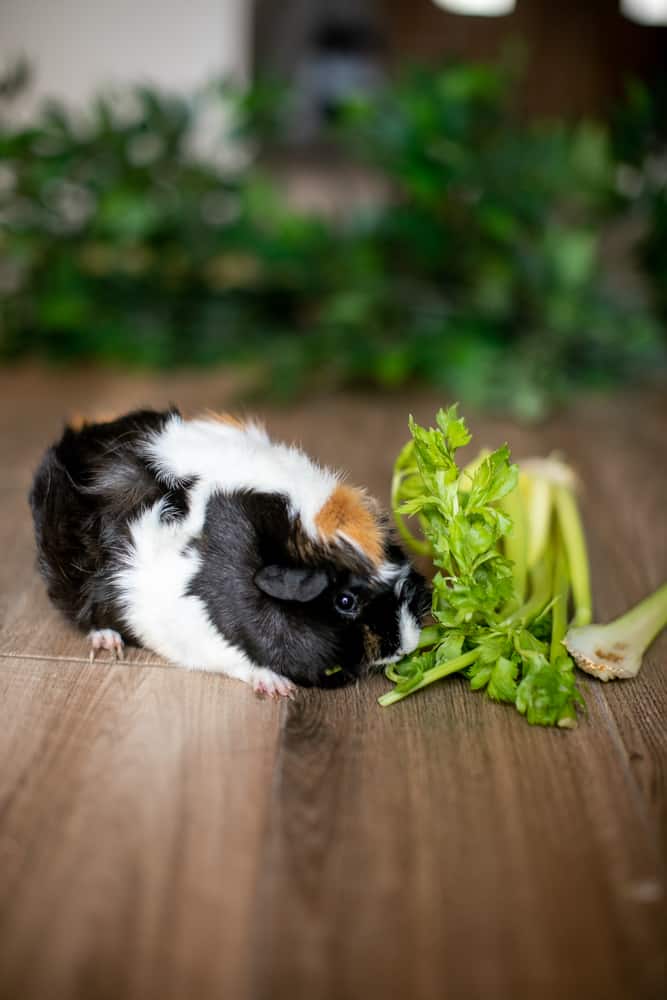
x=349, y=513
x=224, y=418
x=78, y=421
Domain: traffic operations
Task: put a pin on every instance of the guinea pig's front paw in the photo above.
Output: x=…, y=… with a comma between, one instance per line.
x=105, y=638
x=265, y=682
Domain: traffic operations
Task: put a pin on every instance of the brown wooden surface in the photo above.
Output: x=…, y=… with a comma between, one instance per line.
x=165, y=834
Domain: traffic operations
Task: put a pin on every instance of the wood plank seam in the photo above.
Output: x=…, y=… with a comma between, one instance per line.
x=84, y=659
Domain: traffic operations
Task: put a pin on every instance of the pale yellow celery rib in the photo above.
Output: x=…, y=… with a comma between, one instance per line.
x=538, y=511
x=515, y=546
x=572, y=532
x=561, y=591
x=540, y=578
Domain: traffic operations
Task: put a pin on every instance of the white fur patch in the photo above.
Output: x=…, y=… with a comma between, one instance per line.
x=388, y=572
x=228, y=458
x=409, y=631
x=399, y=575
x=152, y=587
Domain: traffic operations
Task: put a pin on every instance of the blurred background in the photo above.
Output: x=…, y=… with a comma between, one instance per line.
x=464, y=194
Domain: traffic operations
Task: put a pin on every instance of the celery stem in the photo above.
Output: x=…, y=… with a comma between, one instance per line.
x=432, y=675
x=572, y=531
x=615, y=650
x=561, y=590
x=646, y=619
x=429, y=636
x=539, y=517
x=420, y=548
x=515, y=543
x=540, y=578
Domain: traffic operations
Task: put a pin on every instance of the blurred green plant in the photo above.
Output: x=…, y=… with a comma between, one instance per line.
x=640, y=147
x=482, y=275
x=496, y=223
x=119, y=243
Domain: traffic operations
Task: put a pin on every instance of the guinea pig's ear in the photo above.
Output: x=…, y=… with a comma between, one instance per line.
x=290, y=584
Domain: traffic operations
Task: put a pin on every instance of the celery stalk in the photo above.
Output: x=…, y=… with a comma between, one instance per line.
x=614, y=651
x=538, y=506
x=432, y=675
x=515, y=543
x=430, y=636
x=572, y=531
x=540, y=592
x=419, y=547
x=561, y=591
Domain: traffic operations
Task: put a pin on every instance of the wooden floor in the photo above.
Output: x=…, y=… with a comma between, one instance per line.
x=165, y=834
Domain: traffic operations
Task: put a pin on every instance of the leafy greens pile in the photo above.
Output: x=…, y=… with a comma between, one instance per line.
x=509, y=549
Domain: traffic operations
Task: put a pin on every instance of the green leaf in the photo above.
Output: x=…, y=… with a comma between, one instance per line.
x=450, y=646
x=453, y=428
x=480, y=674
x=547, y=693
x=493, y=479
x=502, y=683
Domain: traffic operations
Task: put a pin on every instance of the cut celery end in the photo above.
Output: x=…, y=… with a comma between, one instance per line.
x=615, y=651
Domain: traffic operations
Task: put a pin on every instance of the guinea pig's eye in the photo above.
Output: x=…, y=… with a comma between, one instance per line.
x=346, y=602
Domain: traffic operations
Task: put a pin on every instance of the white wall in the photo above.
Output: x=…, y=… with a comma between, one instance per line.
x=77, y=46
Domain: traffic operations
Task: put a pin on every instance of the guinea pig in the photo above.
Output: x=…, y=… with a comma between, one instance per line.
x=221, y=550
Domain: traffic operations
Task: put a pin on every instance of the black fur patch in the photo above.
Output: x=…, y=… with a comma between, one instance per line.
x=246, y=531
x=88, y=488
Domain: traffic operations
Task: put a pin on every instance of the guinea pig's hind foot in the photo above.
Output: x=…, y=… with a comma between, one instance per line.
x=105, y=638
x=265, y=682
